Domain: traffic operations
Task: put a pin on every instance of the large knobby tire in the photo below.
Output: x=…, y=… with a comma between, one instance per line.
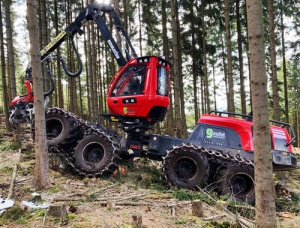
x=186, y=167
x=60, y=130
x=237, y=182
x=94, y=153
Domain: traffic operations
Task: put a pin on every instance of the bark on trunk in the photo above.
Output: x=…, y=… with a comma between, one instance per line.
x=230, y=98
x=41, y=178
x=264, y=184
x=275, y=95
x=10, y=50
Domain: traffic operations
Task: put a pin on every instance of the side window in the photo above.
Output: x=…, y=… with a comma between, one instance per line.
x=280, y=139
x=215, y=136
x=197, y=134
x=162, y=81
x=131, y=81
x=280, y=144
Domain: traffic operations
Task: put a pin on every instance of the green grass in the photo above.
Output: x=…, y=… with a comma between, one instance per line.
x=291, y=204
x=7, y=145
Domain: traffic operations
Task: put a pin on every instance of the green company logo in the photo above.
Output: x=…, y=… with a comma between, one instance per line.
x=209, y=133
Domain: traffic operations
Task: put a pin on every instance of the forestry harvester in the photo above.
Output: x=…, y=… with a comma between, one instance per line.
x=219, y=151
x=21, y=108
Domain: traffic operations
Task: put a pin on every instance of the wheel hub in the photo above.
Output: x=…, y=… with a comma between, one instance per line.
x=186, y=168
x=241, y=184
x=93, y=153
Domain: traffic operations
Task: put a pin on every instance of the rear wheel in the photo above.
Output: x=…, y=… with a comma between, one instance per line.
x=186, y=167
x=238, y=182
x=95, y=154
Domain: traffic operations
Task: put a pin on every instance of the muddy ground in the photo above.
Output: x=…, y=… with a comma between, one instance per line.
x=113, y=202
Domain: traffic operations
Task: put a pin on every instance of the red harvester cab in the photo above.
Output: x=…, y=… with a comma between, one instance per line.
x=141, y=89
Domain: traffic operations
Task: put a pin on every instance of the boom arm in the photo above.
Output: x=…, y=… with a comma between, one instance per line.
x=94, y=12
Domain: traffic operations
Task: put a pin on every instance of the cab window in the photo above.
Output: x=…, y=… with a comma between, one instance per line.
x=197, y=134
x=162, y=81
x=280, y=144
x=131, y=81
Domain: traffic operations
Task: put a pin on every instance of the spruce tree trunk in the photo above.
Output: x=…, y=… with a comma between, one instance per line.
x=225, y=68
x=166, y=53
x=206, y=94
x=41, y=177
x=90, y=74
x=3, y=77
x=195, y=74
x=176, y=64
x=94, y=73
x=275, y=95
x=286, y=99
x=240, y=54
x=59, y=92
x=264, y=184
x=10, y=50
x=230, y=98
x=44, y=41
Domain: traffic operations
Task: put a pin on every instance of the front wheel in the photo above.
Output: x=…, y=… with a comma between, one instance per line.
x=238, y=182
x=94, y=154
x=186, y=167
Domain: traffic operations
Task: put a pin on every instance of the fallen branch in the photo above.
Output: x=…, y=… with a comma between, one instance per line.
x=239, y=218
x=130, y=197
x=243, y=207
x=12, y=183
x=104, y=199
x=127, y=203
x=68, y=199
x=100, y=190
x=44, y=219
x=214, y=217
x=24, y=180
x=120, y=198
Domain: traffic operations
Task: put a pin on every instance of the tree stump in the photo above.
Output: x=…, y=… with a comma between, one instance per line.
x=137, y=220
x=197, y=208
x=111, y=205
x=57, y=211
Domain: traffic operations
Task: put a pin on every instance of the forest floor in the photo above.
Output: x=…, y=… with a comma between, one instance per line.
x=114, y=202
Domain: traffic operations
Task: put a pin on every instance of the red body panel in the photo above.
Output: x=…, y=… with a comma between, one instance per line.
x=244, y=129
x=138, y=105
x=27, y=98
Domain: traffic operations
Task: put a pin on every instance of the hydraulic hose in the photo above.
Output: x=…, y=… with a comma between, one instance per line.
x=69, y=73
x=49, y=72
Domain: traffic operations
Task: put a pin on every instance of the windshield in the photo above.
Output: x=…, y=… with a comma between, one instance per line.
x=131, y=82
